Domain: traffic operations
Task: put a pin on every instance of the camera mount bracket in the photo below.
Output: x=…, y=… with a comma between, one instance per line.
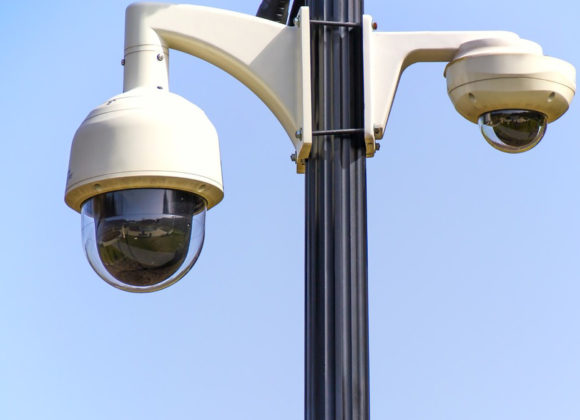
x=271, y=59
x=387, y=54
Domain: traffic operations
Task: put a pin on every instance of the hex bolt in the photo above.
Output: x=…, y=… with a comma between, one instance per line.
x=377, y=147
x=160, y=57
x=297, y=21
x=293, y=157
x=298, y=133
x=122, y=61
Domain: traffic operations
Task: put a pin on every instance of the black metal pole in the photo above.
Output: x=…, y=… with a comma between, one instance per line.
x=336, y=330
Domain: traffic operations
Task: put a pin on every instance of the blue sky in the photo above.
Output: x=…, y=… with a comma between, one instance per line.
x=474, y=268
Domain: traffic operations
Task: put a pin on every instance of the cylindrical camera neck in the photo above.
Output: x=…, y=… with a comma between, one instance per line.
x=146, y=58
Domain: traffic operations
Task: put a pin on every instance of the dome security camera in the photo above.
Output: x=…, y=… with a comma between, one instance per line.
x=510, y=89
x=145, y=165
x=144, y=168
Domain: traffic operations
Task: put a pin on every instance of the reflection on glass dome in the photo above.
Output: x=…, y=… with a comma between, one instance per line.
x=143, y=239
x=513, y=130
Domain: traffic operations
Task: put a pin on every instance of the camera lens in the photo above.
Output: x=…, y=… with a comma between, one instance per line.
x=143, y=240
x=513, y=130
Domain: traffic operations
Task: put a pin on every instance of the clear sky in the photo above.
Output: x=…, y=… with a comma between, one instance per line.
x=474, y=268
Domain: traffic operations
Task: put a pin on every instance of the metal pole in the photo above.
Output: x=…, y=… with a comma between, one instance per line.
x=336, y=319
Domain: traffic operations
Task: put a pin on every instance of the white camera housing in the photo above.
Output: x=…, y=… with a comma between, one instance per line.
x=499, y=74
x=118, y=147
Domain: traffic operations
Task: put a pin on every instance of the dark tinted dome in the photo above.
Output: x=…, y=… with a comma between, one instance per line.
x=513, y=130
x=143, y=236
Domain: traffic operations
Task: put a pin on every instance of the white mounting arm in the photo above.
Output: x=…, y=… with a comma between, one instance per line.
x=271, y=59
x=388, y=54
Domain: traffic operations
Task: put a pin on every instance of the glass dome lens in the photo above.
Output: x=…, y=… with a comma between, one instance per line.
x=143, y=240
x=513, y=130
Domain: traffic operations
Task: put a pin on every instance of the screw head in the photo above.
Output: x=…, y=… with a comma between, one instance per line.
x=293, y=157
x=377, y=147
x=160, y=57
x=297, y=21
x=298, y=134
x=123, y=62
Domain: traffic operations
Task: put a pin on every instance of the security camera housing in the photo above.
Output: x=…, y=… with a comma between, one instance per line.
x=498, y=74
x=118, y=147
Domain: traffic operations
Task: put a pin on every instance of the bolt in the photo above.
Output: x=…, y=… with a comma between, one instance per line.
x=375, y=26
x=160, y=57
x=293, y=157
x=377, y=147
x=298, y=133
x=123, y=62
x=377, y=130
x=297, y=21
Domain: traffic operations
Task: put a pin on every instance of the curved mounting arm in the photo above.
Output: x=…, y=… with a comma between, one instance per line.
x=271, y=59
x=388, y=54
